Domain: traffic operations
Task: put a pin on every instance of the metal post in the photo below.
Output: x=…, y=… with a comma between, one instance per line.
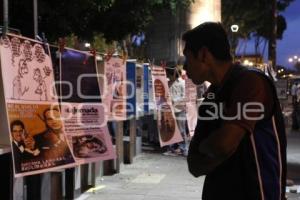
x=5, y=16
x=35, y=17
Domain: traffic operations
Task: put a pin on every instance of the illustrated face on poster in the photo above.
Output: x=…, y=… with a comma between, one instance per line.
x=28, y=74
x=38, y=138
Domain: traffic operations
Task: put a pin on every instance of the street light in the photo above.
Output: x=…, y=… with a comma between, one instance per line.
x=87, y=45
x=294, y=59
x=234, y=28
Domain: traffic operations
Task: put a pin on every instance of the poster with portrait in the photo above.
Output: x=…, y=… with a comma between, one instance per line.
x=191, y=105
x=114, y=90
x=167, y=125
x=37, y=137
x=28, y=82
x=83, y=113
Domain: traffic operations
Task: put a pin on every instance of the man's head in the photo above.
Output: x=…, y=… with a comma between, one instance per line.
x=52, y=119
x=205, y=45
x=17, y=130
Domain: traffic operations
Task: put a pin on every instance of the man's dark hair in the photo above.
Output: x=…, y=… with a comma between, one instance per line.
x=16, y=123
x=49, y=109
x=211, y=35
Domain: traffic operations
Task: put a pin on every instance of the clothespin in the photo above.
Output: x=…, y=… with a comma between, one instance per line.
x=109, y=54
x=93, y=52
x=163, y=64
x=61, y=44
x=151, y=64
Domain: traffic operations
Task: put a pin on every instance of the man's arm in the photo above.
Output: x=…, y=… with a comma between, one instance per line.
x=215, y=149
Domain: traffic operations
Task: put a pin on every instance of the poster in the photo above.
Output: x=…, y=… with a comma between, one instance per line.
x=168, y=129
x=114, y=90
x=139, y=90
x=82, y=111
x=191, y=105
x=281, y=89
x=37, y=135
x=38, y=138
x=146, y=88
x=131, y=89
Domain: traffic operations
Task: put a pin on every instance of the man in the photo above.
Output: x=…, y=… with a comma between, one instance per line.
x=17, y=132
x=242, y=148
x=24, y=148
x=52, y=142
x=177, y=91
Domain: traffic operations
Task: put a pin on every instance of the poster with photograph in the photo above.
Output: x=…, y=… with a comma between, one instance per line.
x=82, y=110
x=114, y=91
x=87, y=132
x=191, y=105
x=167, y=125
x=37, y=138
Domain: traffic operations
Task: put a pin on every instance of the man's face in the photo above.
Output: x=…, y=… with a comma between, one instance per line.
x=53, y=120
x=17, y=133
x=195, y=68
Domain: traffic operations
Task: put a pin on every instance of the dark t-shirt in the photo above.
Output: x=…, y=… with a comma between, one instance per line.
x=256, y=170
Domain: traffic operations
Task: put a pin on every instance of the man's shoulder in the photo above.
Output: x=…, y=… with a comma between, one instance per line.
x=251, y=76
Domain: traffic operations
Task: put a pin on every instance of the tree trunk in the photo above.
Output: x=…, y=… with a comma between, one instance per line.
x=272, y=41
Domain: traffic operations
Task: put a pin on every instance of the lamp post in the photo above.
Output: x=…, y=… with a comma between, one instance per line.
x=35, y=18
x=5, y=16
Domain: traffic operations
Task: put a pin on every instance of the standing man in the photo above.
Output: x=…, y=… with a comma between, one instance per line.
x=239, y=141
x=177, y=91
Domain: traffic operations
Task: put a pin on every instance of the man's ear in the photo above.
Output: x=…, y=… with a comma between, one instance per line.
x=202, y=54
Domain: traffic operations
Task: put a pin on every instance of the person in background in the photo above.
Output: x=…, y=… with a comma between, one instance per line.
x=177, y=92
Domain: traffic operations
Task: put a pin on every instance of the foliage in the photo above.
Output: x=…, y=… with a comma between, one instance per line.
x=253, y=16
x=115, y=19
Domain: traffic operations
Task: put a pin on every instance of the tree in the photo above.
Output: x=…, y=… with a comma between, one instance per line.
x=254, y=18
x=115, y=19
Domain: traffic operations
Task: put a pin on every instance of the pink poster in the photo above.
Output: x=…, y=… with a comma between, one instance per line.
x=191, y=105
x=87, y=132
x=167, y=125
x=36, y=130
x=114, y=90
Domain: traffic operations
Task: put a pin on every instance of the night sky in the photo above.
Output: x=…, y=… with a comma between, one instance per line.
x=290, y=44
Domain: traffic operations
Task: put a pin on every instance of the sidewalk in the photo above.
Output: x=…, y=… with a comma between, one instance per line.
x=154, y=176
x=293, y=155
x=150, y=177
